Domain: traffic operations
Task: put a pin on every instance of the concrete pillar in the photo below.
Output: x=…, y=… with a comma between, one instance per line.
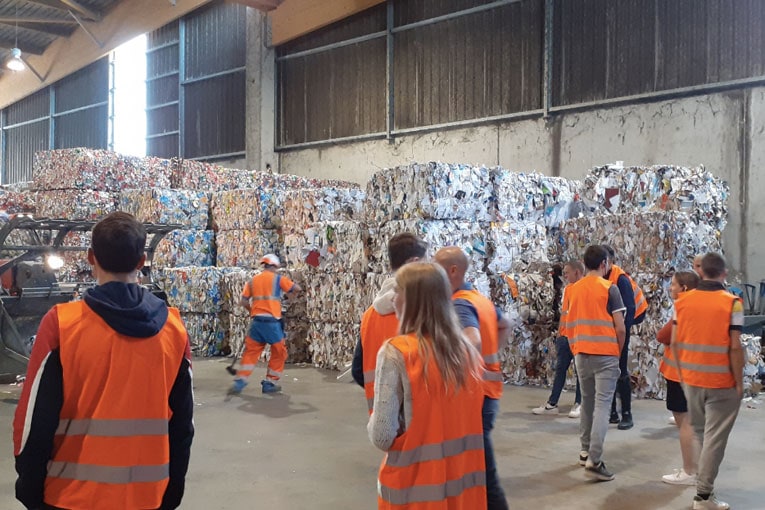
x=260, y=94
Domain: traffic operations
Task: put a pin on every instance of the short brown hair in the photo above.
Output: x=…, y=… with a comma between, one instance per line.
x=404, y=247
x=713, y=265
x=118, y=242
x=594, y=256
x=688, y=279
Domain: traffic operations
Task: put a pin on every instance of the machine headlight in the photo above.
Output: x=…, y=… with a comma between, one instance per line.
x=54, y=262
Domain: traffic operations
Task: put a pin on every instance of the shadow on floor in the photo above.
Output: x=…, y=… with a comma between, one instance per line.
x=668, y=432
x=649, y=494
x=277, y=405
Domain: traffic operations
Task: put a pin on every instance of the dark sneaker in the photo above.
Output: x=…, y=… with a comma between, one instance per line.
x=614, y=418
x=270, y=387
x=583, y=456
x=626, y=422
x=599, y=472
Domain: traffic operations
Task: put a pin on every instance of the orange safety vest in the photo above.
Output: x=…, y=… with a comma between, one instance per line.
x=562, y=331
x=375, y=330
x=438, y=462
x=668, y=365
x=487, y=326
x=266, y=294
x=641, y=305
x=590, y=326
x=111, y=448
x=703, y=338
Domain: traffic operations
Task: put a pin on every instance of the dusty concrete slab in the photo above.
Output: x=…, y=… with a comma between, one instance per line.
x=308, y=449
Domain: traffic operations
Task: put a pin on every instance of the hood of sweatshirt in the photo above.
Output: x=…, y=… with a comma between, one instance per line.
x=383, y=302
x=128, y=308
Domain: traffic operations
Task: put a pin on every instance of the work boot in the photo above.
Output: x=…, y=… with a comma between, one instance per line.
x=270, y=387
x=626, y=422
x=614, y=417
x=237, y=387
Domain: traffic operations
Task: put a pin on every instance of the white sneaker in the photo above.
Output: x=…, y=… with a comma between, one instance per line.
x=545, y=409
x=709, y=504
x=575, y=411
x=679, y=477
x=671, y=420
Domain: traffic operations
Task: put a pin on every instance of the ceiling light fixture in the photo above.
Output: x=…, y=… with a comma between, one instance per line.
x=15, y=63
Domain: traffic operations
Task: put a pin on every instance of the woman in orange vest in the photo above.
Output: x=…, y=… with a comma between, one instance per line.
x=427, y=402
x=682, y=281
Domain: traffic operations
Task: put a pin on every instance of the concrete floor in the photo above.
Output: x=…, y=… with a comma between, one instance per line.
x=308, y=449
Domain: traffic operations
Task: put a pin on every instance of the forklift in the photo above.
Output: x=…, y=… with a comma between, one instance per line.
x=30, y=251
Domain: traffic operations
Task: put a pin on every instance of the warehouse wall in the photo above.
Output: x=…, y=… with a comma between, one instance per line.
x=724, y=131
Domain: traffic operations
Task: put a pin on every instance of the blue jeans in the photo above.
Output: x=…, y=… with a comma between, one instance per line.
x=565, y=356
x=494, y=494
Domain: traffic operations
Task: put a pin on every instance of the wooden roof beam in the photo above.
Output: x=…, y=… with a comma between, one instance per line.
x=294, y=18
x=263, y=5
x=70, y=5
x=46, y=21
x=32, y=49
x=53, y=30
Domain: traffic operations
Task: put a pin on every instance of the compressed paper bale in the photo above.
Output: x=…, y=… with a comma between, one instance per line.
x=181, y=248
x=205, y=333
x=76, y=267
x=334, y=246
x=193, y=289
x=94, y=169
x=753, y=362
x=296, y=332
x=513, y=242
x=235, y=328
x=530, y=356
x=180, y=207
x=231, y=287
x=294, y=305
x=302, y=208
x=331, y=344
x=14, y=201
x=535, y=198
x=470, y=236
x=245, y=248
x=197, y=175
x=430, y=191
x=653, y=242
x=247, y=209
x=74, y=204
x=695, y=190
x=336, y=297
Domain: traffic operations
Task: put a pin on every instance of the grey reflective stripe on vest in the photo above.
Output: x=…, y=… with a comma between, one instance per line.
x=712, y=349
x=591, y=338
x=436, y=451
x=108, y=474
x=491, y=358
x=369, y=376
x=424, y=493
x=642, y=300
x=371, y=403
x=710, y=369
x=112, y=428
x=265, y=298
x=491, y=375
x=590, y=322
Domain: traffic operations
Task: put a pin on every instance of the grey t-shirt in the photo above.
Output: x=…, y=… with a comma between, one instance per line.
x=615, y=303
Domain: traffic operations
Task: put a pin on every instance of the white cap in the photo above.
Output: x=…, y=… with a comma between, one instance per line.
x=271, y=260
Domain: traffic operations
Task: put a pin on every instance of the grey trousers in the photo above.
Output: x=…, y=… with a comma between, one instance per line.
x=597, y=377
x=713, y=413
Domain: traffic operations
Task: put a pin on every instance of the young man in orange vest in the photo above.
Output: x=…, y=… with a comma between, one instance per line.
x=379, y=322
x=486, y=328
x=105, y=419
x=573, y=271
x=636, y=305
x=707, y=346
x=594, y=318
x=262, y=296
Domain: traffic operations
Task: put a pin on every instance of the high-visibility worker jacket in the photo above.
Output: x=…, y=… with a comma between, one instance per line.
x=668, y=365
x=587, y=321
x=562, y=331
x=112, y=445
x=703, y=338
x=265, y=292
x=375, y=330
x=438, y=462
x=641, y=305
x=487, y=326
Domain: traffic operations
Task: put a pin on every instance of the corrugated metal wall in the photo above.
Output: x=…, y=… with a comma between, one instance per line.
x=464, y=69
x=491, y=63
x=605, y=49
x=162, y=91
x=78, y=111
x=196, y=84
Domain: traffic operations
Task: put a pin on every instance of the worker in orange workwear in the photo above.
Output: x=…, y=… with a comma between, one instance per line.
x=262, y=296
